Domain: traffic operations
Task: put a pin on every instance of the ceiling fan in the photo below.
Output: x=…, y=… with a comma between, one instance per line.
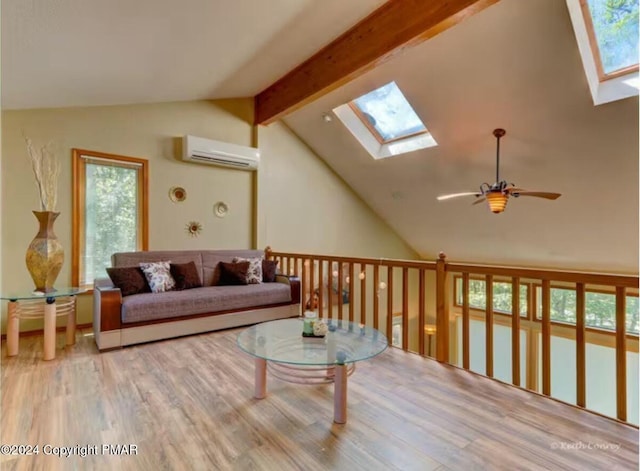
x=498, y=194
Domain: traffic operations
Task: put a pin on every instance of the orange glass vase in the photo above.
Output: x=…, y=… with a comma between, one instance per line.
x=45, y=254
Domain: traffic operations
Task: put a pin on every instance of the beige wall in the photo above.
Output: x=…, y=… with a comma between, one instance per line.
x=291, y=180
x=305, y=207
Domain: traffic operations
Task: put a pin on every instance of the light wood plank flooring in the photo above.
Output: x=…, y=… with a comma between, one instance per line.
x=187, y=404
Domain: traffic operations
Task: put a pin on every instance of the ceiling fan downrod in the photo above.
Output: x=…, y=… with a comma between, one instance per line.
x=498, y=133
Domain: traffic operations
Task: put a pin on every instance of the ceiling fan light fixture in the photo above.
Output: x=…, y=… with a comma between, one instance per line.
x=497, y=202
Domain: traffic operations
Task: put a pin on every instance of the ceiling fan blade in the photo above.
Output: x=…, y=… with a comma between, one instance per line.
x=455, y=195
x=479, y=200
x=538, y=194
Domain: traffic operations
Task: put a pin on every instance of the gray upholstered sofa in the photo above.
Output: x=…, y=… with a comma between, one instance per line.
x=119, y=321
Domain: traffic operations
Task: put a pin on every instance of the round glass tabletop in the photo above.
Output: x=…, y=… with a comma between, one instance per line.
x=58, y=293
x=282, y=341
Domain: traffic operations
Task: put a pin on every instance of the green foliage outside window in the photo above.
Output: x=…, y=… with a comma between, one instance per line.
x=111, y=217
x=600, y=309
x=615, y=23
x=501, y=296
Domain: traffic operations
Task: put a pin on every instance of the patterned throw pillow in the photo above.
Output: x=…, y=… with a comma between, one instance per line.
x=254, y=275
x=158, y=276
x=185, y=275
x=233, y=273
x=269, y=270
x=130, y=280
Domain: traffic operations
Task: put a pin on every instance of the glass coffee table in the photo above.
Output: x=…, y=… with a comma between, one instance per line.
x=280, y=347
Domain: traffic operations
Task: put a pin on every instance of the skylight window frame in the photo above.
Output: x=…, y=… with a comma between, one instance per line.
x=595, y=48
x=361, y=116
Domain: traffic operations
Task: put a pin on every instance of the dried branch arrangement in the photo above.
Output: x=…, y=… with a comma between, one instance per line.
x=46, y=169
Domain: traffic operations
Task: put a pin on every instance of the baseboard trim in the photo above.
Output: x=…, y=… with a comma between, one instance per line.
x=61, y=328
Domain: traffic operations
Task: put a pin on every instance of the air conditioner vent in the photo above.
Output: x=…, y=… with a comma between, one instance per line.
x=208, y=151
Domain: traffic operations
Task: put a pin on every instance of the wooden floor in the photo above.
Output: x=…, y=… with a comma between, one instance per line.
x=187, y=404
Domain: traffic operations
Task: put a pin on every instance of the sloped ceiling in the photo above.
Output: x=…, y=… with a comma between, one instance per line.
x=95, y=52
x=515, y=65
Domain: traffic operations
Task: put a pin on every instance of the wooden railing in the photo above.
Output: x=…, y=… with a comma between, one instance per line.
x=378, y=292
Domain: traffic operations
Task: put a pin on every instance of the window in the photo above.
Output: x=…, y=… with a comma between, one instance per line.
x=384, y=123
x=501, y=295
x=600, y=309
x=607, y=35
x=388, y=114
x=110, y=211
x=612, y=26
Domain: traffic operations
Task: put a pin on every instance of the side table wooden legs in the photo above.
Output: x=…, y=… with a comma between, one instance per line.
x=50, y=329
x=13, y=329
x=71, y=324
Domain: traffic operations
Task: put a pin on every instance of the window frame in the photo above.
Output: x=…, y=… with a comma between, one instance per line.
x=78, y=217
x=595, y=48
x=528, y=285
x=360, y=114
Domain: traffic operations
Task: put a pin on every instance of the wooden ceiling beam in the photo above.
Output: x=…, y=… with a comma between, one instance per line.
x=389, y=30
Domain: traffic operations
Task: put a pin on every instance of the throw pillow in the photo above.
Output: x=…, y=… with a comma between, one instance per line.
x=130, y=280
x=158, y=276
x=233, y=273
x=254, y=275
x=269, y=270
x=185, y=275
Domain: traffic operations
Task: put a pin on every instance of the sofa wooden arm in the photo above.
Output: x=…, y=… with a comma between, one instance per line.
x=294, y=283
x=107, y=308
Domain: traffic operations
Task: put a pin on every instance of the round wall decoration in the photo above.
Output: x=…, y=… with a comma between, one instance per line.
x=193, y=228
x=177, y=194
x=220, y=209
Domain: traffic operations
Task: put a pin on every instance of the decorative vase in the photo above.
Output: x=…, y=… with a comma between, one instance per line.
x=45, y=254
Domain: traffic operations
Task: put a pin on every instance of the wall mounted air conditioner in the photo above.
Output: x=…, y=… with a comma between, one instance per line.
x=208, y=151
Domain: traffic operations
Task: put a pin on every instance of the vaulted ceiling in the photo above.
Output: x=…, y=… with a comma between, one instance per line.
x=514, y=65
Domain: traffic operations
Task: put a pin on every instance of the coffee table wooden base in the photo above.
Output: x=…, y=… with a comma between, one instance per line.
x=337, y=374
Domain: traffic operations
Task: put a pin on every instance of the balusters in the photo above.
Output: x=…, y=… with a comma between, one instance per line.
x=390, y=303
x=515, y=330
x=581, y=375
x=340, y=291
x=465, y=320
x=489, y=324
x=546, y=337
x=352, y=283
x=363, y=293
x=330, y=289
x=405, y=309
x=621, y=354
x=320, y=288
x=421, y=317
x=376, y=295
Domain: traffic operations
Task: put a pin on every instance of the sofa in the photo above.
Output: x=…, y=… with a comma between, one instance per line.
x=127, y=320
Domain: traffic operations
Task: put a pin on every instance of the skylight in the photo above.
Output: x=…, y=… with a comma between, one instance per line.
x=612, y=26
x=387, y=114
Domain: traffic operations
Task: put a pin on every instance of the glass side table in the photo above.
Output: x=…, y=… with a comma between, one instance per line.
x=36, y=305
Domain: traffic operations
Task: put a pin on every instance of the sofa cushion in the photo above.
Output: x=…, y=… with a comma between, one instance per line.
x=233, y=273
x=269, y=270
x=254, y=274
x=158, y=276
x=185, y=275
x=151, y=306
x=130, y=280
x=211, y=258
x=129, y=259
